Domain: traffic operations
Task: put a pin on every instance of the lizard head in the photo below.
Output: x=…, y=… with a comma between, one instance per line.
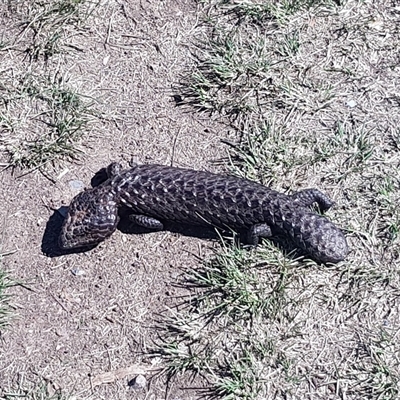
x=92, y=217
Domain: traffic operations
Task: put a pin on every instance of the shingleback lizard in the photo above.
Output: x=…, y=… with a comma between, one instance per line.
x=156, y=193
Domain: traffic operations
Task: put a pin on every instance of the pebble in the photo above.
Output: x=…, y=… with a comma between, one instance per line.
x=351, y=103
x=106, y=59
x=76, y=185
x=78, y=272
x=139, y=382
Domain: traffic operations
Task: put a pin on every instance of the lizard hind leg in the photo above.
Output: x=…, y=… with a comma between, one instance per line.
x=309, y=197
x=257, y=231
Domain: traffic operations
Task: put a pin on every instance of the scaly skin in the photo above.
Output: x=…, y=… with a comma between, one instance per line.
x=157, y=193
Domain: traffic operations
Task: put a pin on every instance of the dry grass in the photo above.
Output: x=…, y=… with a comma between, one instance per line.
x=43, y=391
x=41, y=119
x=6, y=282
x=5, y=313
x=46, y=27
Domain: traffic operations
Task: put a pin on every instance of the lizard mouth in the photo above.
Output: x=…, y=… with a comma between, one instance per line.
x=67, y=241
x=78, y=238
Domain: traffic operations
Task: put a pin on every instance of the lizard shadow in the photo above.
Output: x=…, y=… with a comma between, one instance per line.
x=51, y=248
x=198, y=231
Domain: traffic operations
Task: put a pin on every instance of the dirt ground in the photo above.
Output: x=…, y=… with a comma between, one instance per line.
x=82, y=315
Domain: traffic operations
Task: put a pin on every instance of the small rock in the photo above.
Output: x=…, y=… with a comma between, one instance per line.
x=78, y=272
x=106, y=59
x=76, y=185
x=377, y=24
x=139, y=382
x=61, y=332
x=351, y=103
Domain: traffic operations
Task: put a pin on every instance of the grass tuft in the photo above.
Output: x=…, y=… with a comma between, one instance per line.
x=5, y=310
x=225, y=80
x=27, y=391
x=259, y=13
x=42, y=116
x=51, y=133
x=236, y=286
x=49, y=23
x=219, y=334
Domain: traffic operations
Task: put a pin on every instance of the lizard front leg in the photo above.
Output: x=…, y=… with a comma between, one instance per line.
x=146, y=222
